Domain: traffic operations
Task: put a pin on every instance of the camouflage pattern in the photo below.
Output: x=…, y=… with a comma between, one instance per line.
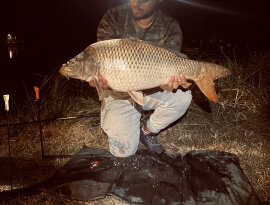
x=118, y=22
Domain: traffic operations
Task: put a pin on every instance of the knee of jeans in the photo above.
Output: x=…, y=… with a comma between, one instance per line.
x=186, y=100
x=122, y=153
x=124, y=149
x=182, y=100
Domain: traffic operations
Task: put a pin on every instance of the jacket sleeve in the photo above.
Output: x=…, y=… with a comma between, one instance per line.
x=107, y=28
x=174, y=38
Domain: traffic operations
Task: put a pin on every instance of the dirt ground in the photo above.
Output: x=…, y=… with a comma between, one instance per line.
x=197, y=130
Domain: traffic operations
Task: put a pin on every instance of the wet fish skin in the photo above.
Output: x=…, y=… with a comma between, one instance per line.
x=131, y=65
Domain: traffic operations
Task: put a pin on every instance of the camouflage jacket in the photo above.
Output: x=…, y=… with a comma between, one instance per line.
x=118, y=22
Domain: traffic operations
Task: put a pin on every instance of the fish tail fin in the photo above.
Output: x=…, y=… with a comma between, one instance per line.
x=205, y=80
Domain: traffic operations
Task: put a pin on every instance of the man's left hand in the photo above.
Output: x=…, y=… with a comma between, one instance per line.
x=175, y=81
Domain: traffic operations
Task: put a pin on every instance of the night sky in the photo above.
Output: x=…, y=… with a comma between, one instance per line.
x=54, y=31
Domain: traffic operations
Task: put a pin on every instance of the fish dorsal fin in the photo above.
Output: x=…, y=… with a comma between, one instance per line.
x=137, y=96
x=133, y=38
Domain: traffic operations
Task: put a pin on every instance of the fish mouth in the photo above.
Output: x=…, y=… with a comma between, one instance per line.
x=62, y=71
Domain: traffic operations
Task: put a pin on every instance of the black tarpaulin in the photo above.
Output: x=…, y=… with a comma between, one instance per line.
x=196, y=177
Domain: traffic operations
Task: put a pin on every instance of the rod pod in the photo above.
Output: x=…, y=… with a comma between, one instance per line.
x=6, y=99
x=39, y=120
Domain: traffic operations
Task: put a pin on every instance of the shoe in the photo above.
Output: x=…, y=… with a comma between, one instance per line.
x=149, y=140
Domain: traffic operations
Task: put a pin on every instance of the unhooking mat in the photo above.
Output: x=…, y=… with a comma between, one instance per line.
x=196, y=177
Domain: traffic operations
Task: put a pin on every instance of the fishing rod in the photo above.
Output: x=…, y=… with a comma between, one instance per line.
x=51, y=120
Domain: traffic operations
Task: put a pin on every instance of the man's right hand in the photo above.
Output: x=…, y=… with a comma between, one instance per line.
x=102, y=82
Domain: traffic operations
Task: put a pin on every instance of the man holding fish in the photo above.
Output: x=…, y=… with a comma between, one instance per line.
x=141, y=19
x=137, y=54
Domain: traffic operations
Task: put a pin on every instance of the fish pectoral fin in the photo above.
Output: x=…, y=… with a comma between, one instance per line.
x=137, y=96
x=186, y=85
x=166, y=88
x=99, y=90
x=207, y=86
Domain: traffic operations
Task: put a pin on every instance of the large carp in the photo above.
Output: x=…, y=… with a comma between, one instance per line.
x=131, y=65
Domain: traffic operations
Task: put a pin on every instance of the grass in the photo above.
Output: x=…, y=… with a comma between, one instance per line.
x=238, y=123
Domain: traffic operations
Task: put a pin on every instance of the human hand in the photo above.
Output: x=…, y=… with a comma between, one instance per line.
x=175, y=81
x=101, y=81
x=92, y=83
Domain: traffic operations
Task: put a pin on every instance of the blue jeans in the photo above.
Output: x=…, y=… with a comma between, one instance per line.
x=121, y=121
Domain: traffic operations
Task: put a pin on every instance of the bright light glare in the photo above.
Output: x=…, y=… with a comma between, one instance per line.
x=212, y=8
x=10, y=54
